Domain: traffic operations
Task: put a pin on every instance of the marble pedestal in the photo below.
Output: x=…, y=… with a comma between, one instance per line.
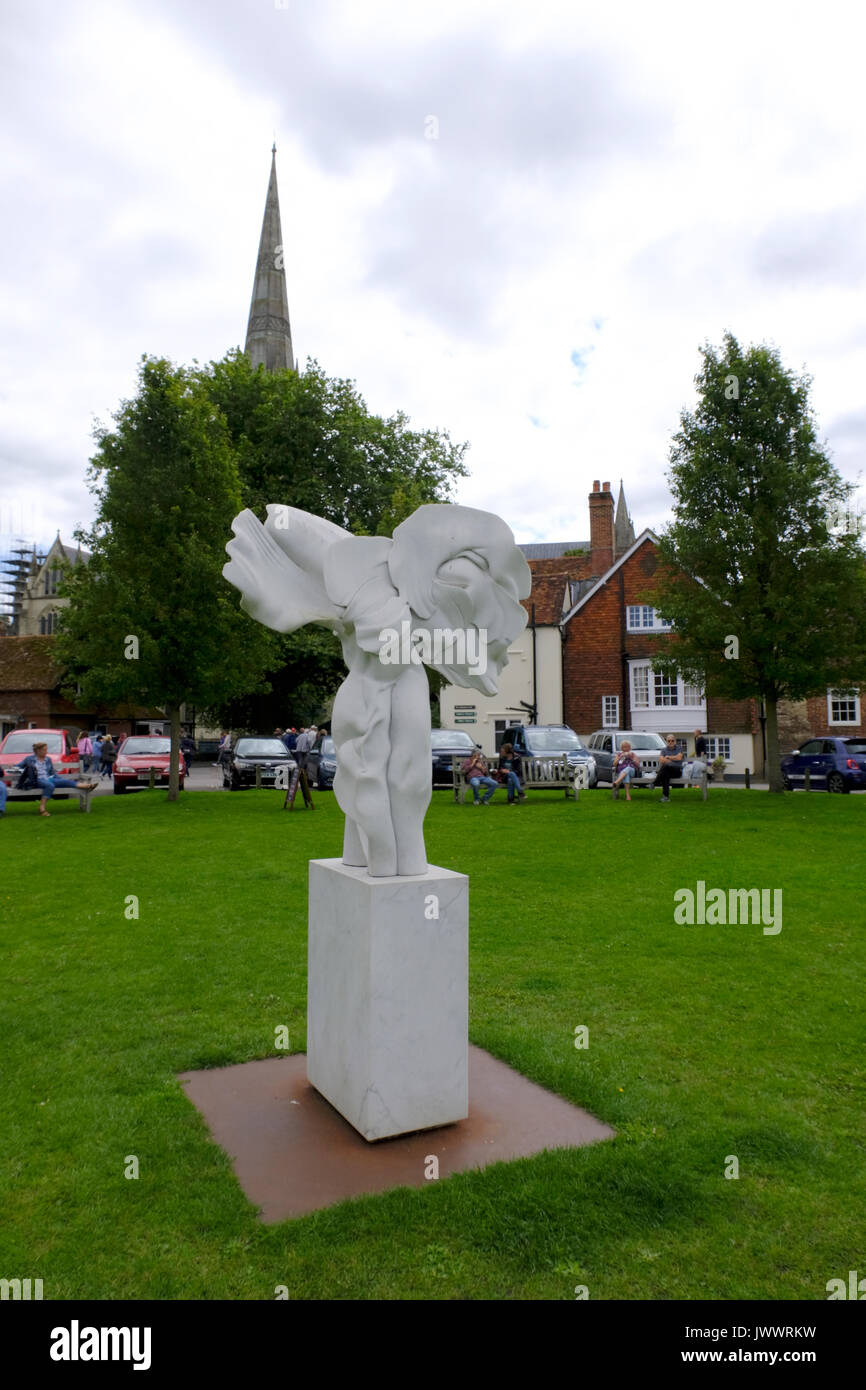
x=388, y=997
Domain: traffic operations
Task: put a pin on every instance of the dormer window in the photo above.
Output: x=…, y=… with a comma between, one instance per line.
x=641, y=618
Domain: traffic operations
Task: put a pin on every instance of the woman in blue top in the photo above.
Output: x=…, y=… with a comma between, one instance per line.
x=37, y=770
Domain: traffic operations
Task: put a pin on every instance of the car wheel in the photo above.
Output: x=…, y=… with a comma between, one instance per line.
x=119, y=788
x=836, y=782
x=787, y=783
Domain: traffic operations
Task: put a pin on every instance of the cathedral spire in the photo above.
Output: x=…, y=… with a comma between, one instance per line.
x=623, y=530
x=269, y=335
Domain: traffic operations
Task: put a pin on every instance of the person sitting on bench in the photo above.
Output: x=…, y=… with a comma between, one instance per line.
x=509, y=773
x=670, y=766
x=37, y=771
x=625, y=767
x=476, y=774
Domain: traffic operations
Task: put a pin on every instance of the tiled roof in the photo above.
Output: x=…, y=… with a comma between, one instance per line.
x=26, y=663
x=551, y=550
x=548, y=595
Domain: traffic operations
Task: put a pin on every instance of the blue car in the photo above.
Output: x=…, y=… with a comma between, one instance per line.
x=322, y=764
x=837, y=764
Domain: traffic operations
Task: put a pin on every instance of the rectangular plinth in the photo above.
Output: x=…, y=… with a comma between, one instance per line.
x=388, y=997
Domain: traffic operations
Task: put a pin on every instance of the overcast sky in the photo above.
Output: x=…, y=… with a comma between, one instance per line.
x=608, y=187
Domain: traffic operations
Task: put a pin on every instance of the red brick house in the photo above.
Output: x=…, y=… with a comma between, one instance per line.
x=30, y=696
x=609, y=638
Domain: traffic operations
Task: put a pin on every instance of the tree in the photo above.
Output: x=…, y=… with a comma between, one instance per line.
x=765, y=592
x=151, y=618
x=310, y=442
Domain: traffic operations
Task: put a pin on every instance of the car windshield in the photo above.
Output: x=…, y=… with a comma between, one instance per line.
x=645, y=741
x=329, y=748
x=139, y=747
x=261, y=748
x=450, y=738
x=856, y=745
x=23, y=742
x=552, y=740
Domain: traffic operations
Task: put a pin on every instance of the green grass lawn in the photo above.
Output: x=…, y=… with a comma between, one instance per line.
x=704, y=1042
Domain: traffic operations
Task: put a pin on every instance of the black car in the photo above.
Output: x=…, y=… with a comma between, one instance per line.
x=445, y=745
x=322, y=764
x=269, y=754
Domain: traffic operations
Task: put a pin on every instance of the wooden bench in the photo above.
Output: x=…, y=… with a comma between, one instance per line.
x=29, y=794
x=536, y=774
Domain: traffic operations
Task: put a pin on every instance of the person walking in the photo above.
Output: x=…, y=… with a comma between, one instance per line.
x=625, y=767
x=225, y=751
x=699, y=766
x=509, y=773
x=306, y=739
x=670, y=766
x=476, y=772
x=85, y=752
x=107, y=755
x=187, y=748
x=37, y=770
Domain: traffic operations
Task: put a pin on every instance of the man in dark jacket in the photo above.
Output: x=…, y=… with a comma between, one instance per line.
x=187, y=748
x=670, y=767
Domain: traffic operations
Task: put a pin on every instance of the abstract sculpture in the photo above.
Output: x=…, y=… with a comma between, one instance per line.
x=444, y=592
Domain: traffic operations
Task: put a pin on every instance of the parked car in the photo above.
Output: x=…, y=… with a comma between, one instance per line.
x=552, y=740
x=446, y=744
x=322, y=764
x=837, y=764
x=135, y=758
x=267, y=753
x=605, y=744
x=62, y=749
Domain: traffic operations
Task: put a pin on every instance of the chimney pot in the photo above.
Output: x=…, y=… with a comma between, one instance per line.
x=595, y=486
x=605, y=487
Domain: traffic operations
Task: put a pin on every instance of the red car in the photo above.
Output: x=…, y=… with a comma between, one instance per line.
x=61, y=750
x=136, y=756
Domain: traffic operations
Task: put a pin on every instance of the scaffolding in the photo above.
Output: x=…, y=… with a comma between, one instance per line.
x=17, y=567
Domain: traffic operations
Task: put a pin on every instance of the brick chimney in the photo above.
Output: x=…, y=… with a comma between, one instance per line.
x=601, y=533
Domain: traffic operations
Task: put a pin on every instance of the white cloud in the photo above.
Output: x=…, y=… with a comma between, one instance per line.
x=619, y=183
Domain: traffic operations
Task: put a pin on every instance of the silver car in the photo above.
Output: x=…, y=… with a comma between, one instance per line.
x=605, y=744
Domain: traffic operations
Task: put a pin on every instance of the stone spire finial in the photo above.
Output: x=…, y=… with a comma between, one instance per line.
x=269, y=334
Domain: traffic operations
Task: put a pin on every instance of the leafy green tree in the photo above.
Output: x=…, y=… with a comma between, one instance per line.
x=310, y=442
x=151, y=619
x=766, y=595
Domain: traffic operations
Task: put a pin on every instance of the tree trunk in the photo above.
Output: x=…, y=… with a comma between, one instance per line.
x=174, y=770
x=774, y=770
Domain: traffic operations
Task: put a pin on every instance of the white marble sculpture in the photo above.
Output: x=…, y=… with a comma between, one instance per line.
x=443, y=592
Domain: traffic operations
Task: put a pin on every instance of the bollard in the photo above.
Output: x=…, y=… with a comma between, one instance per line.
x=152, y=782
x=806, y=780
x=748, y=779
x=704, y=785
x=258, y=777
